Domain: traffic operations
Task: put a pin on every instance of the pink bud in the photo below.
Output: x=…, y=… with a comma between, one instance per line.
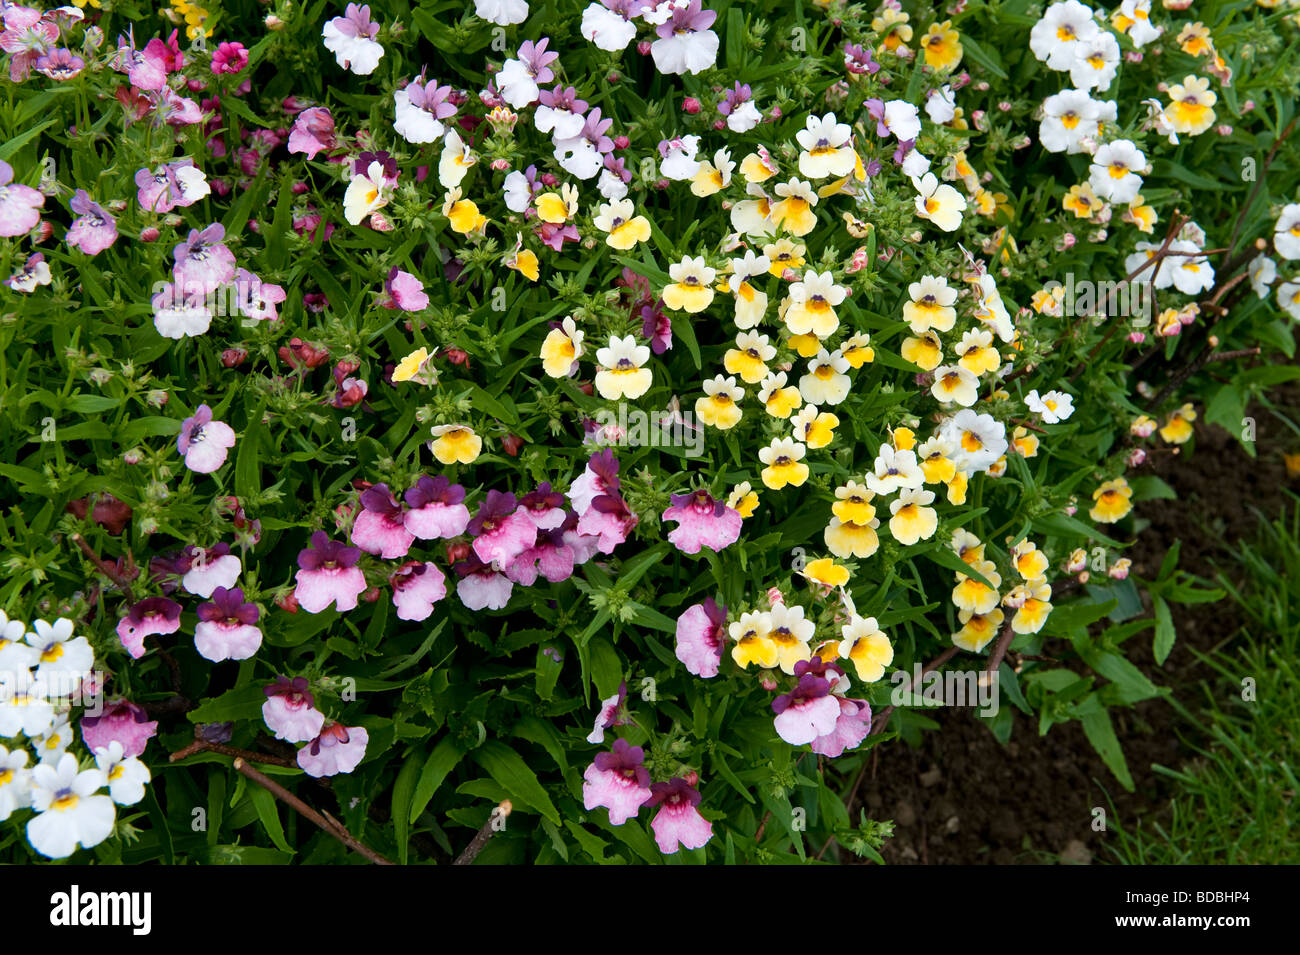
x=149, y=234
x=1137, y=457
x=690, y=105
x=500, y=165
x=643, y=47
x=1137, y=338
x=621, y=142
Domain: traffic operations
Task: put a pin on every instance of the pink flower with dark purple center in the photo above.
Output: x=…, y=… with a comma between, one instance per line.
x=94, y=230
x=290, y=710
x=417, y=586
x=226, y=629
x=702, y=521
x=600, y=477
x=208, y=568
x=313, y=131
x=657, y=326
x=544, y=507
x=678, y=823
x=204, y=443
x=851, y=728
x=436, y=509
x=149, y=616
x=405, y=291
x=380, y=528
x=338, y=749
x=328, y=574
x=480, y=586
x=613, y=712
x=609, y=520
x=254, y=299
x=618, y=781
x=19, y=205
x=806, y=712
x=229, y=58
x=501, y=532
x=701, y=634
x=121, y=722
x=553, y=555
x=202, y=261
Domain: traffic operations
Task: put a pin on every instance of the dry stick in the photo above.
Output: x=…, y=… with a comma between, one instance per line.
x=105, y=567
x=1195, y=365
x=484, y=834
x=1230, y=355
x=203, y=746
x=329, y=825
x=1000, y=649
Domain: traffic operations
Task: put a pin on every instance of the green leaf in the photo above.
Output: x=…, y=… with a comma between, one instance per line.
x=441, y=761
x=403, y=793
x=268, y=812
x=241, y=703
x=606, y=667
x=1165, y=634
x=1101, y=734
x=508, y=768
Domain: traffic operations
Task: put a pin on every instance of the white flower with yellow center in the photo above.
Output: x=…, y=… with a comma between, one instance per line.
x=979, y=439
x=794, y=210
x=126, y=776
x=912, y=519
x=1191, y=106
x=455, y=162
x=938, y=202
x=779, y=400
x=1288, y=297
x=826, y=382
x=1263, y=273
x=15, y=781
x=1096, y=61
x=1054, y=39
x=976, y=352
x=902, y=119
x=814, y=427
x=953, y=384
x=931, y=305
x=812, y=305
x=751, y=304
x=749, y=358
x=893, y=470
x=753, y=216
x=752, y=641
x=867, y=647
x=621, y=374
x=784, y=460
x=791, y=632
x=69, y=813
x=692, y=288
x=1115, y=172
x=990, y=309
x=1286, y=232
x=826, y=148
x=366, y=193
x=63, y=660
x=713, y=176
x=561, y=348
x=1134, y=18
x=1053, y=407
x=936, y=459
x=625, y=228
x=1069, y=118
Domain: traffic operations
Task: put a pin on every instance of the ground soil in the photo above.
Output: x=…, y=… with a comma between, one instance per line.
x=962, y=798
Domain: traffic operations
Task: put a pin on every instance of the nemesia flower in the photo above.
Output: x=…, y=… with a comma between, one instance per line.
x=609, y=23
x=894, y=469
x=146, y=617
x=1134, y=18
x=503, y=13
x=501, y=533
x=203, y=262
x=931, y=305
x=229, y=57
x=290, y=711
x=338, y=749
x=1096, y=61
x=481, y=587
x=420, y=109
x=203, y=442
x=826, y=148
x=1286, y=232
x=1115, y=168
x=912, y=520
x=455, y=444
x=712, y=177
x=701, y=634
x=955, y=384
x=790, y=632
x=610, y=714
x=1178, y=429
x=520, y=79
x=380, y=525
x=1053, y=407
x=1070, y=119
x=618, y=781
x=807, y=712
x=621, y=374
x=719, y=406
x=35, y=272
x=1263, y=271
x=1191, y=107
x=94, y=230
x=826, y=573
x=979, y=439
x=367, y=192
x=685, y=43
x=624, y=229
x=1033, y=604
x=70, y=813
x=120, y=722
x=743, y=499
x=60, y=658
x=226, y=630
x=678, y=823
x=784, y=464
x=701, y=522
x=938, y=202
x=739, y=108
x=15, y=781
x=815, y=428
x=973, y=594
x=1055, y=38
x=794, y=210
x=826, y=382
x=1112, y=501
x=312, y=132
x=692, y=287
x=977, y=629
x=170, y=185
x=867, y=647
x=813, y=301
x=207, y=568
x=942, y=46
x=126, y=776
x=351, y=38
x=328, y=574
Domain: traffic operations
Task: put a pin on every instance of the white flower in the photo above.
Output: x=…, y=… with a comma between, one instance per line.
x=503, y=13
x=516, y=191
x=609, y=29
x=1288, y=298
x=684, y=51
x=1053, y=407
x=15, y=781
x=25, y=706
x=194, y=184
x=826, y=382
x=1142, y=31
x=69, y=811
x=621, y=374
x=979, y=440
x=64, y=660
x=941, y=105
x=894, y=470
x=1069, y=117
x=455, y=161
x=1115, y=171
x=744, y=117
x=915, y=164
x=352, y=48
x=1054, y=37
x=826, y=149
x=516, y=84
x=954, y=384
x=1286, y=232
x=366, y=193
x=902, y=119
x=1095, y=62
x=990, y=308
x=679, y=162
x=1263, y=273
x=1189, y=274
x=940, y=203
x=126, y=777
x=412, y=123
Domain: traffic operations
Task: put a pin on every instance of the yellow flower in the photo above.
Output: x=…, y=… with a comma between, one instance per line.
x=784, y=254
x=867, y=647
x=455, y=444
x=562, y=347
x=753, y=636
x=779, y=400
x=749, y=358
x=857, y=351
x=743, y=499
x=759, y=166
x=523, y=261
x=463, y=214
x=713, y=176
x=556, y=208
x=1032, y=613
x=719, y=406
x=805, y=345
x=1026, y=444
x=692, y=286
x=813, y=428
x=410, y=366
x=942, y=46
x=793, y=211
x=853, y=504
x=621, y=374
x=1112, y=501
x=625, y=230
x=826, y=572
x=957, y=488
x=912, y=520
x=936, y=465
x=1029, y=561
x=790, y=634
x=925, y=351
x=784, y=460
x=977, y=629
x=1141, y=215
x=1191, y=109
x=1082, y=201
x=847, y=539
x=974, y=595
x=1194, y=39
x=1178, y=429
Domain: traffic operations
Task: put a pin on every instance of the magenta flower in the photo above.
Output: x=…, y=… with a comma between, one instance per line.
x=599, y=477
x=148, y=616
x=94, y=230
x=544, y=507
x=701, y=634
x=609, y=520
x=338, y=749
x=657, y=326
x=27, y=35
x=501, y=532
x=859, y=60
x=120, y=722
x=612, y=713
x=290, y=710
x=405, y=291
x=226, y=630
x=207, y=568
x=436, y=509
x=202, y=261
x=229, y=58
x=19, y=205
x=480, y=586
x=702, y=522
x=678, y=822
x=807, y=712
x=203, y=442
x=328, y=574
x=313, y=131
x=618, y=781
x=554, y=555
x=379, y=527
x=417, y=587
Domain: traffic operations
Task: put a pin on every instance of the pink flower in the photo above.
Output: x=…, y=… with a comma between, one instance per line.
x=599, y=477
x=851, y=728
x=121, y=722
x=203, y=442
x=379, y=528
x=416, y=588
x=328, y=574
x=226, y=630
x=19, y=205
x=149, y=616
x=544, y=507
x=436, y=509
x=313, y=131
x=618, y=781
x=554, y=554
x=702, y=522
x=338, y=749
x=480, y=587
x=203, y=262
x=609, y=520
x=501, y=532
x=701, y=633
x=255, y=299
x=807, y=712
x=290, y=710
x=610, y=715
x=678, y=822
x=405, y=291
x=210, y=568
x=94, y=230
x=229, y=58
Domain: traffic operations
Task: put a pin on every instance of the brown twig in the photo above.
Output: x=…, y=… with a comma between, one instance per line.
x=1000, y=648
x=1230, y=355
x=485, y=833
x=107, y=567
x=203, y=746
x=325, y=823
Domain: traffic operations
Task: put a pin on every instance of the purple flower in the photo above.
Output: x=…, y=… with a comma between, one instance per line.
x=734, y=97
x=618, y=781
x=544, y=507
x=204, y=443
x=656, y=326
x=851, y=728
x=501, y=532
x=405, y=291
x=859, y=60
x=328, y=574
x=436, y=509
x=702, y=521
x=876, y=110
x=203, y=262
x=678, y=823
x=60, y=64
x=338, y=749
x=380, y=527
x=537, y=60
x=95, y=230
x=701, y=635
x=121, y=722
x=290, y=710
x=226, y=628
x=19, y=205
x=207, y=568
x=148, y=616
x=255, y=299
